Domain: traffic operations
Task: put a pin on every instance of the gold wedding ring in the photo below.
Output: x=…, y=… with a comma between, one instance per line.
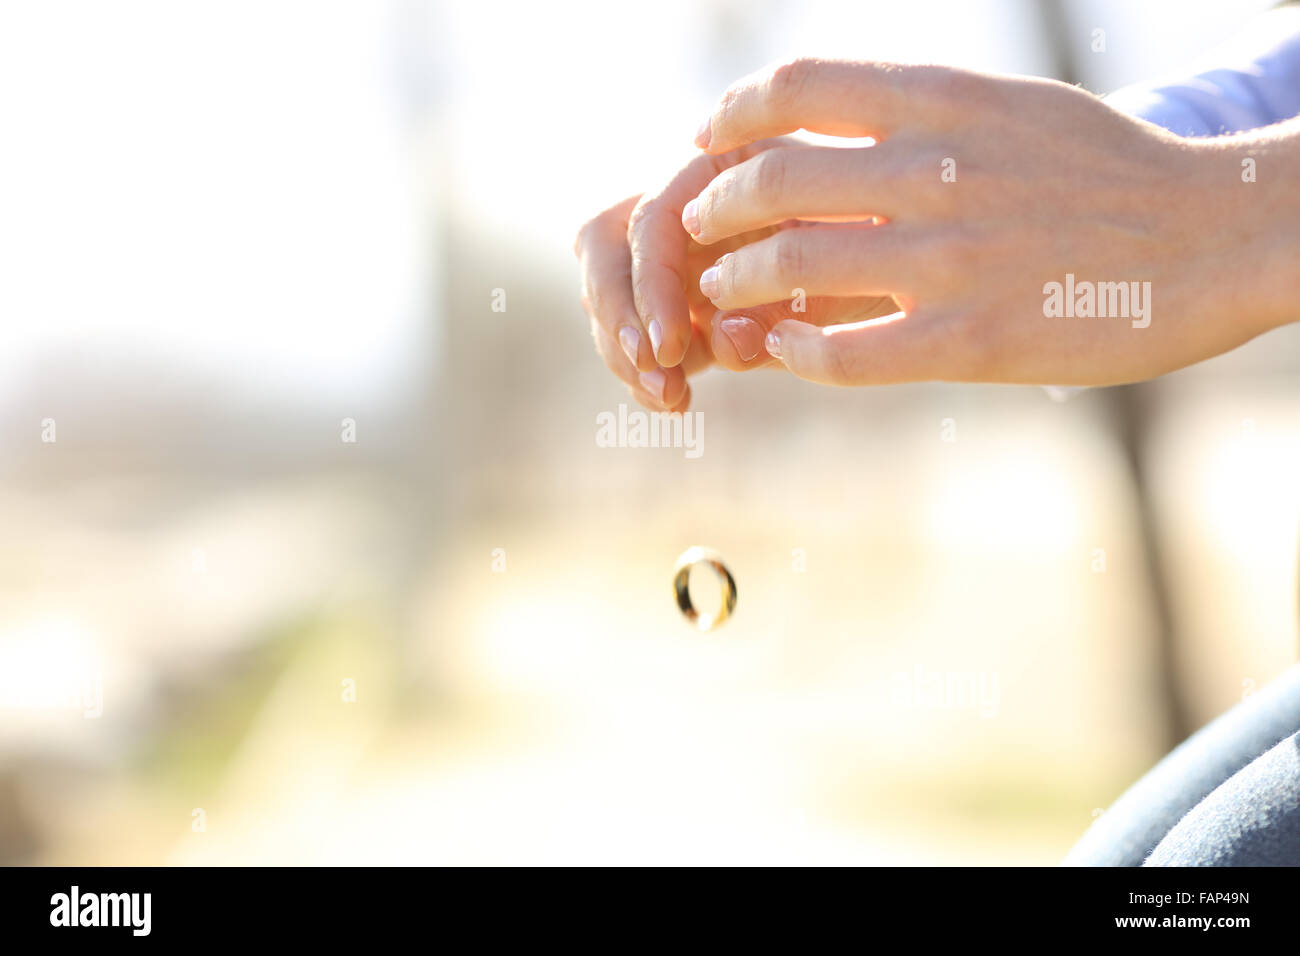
x=682, y=586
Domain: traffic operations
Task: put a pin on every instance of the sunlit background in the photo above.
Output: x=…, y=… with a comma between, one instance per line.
x=234, y=235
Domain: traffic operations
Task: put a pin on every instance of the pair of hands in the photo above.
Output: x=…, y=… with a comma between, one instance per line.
x=924, y=256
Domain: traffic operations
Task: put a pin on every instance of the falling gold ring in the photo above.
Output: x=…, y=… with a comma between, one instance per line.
x=682, y=587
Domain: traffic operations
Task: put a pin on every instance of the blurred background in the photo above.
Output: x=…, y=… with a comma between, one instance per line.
x=308, y=554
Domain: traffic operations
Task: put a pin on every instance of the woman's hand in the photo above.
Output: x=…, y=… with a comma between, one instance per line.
x=640, y=287
x=987, y=189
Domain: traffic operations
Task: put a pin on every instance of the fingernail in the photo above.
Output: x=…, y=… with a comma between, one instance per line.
x=773, y=343
x=709, y=282
x=745, y=334
x=656, y=335
x=630, y=339
x=704, y=133
x=691, y=217
x=653, y=382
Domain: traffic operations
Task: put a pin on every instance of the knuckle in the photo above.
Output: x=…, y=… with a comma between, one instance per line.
x=890, y=163
x=584, y=235
x=640, y=213
x=923, y=172
x=948, y=87
x=954, y=252
x=727, y=108
x=787, y=80
x=639, y=229
x=715, y=200
x=909, y=161
x=840, y=365
x=972, y=348
x=965, y=253
x=789, y=260
x=595, y=230
x=928, y=166
x=770, y=174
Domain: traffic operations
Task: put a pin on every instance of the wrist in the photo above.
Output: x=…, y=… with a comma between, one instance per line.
x=1247, y=191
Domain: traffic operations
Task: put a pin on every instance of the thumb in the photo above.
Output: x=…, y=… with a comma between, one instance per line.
x=737, y=335
x=881, y=351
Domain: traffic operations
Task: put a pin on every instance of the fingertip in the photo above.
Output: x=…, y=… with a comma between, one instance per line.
x=669, y=344
x=660, y=389
x=629, y=340
x=653, y=384
x=691, y=217
x=655, y=330
x=644, y=400
x=737, y=342
x=709, y=281
x=776, y=342
x=645, y=356
x=675, y=387
x=704, y=133
x=684, y=403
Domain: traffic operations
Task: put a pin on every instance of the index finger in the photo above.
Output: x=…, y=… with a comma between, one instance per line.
x=835, y=97
x=659, y=246
x=606, y=267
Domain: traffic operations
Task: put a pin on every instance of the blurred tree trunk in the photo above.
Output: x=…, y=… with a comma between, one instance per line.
x=1131, y=411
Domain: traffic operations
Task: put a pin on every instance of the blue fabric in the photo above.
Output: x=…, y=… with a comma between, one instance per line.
x=1252, y=81
x=1252, y=819
x=1194, y=799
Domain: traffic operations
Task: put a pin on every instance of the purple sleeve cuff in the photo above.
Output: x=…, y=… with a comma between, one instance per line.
x=1254, y=81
